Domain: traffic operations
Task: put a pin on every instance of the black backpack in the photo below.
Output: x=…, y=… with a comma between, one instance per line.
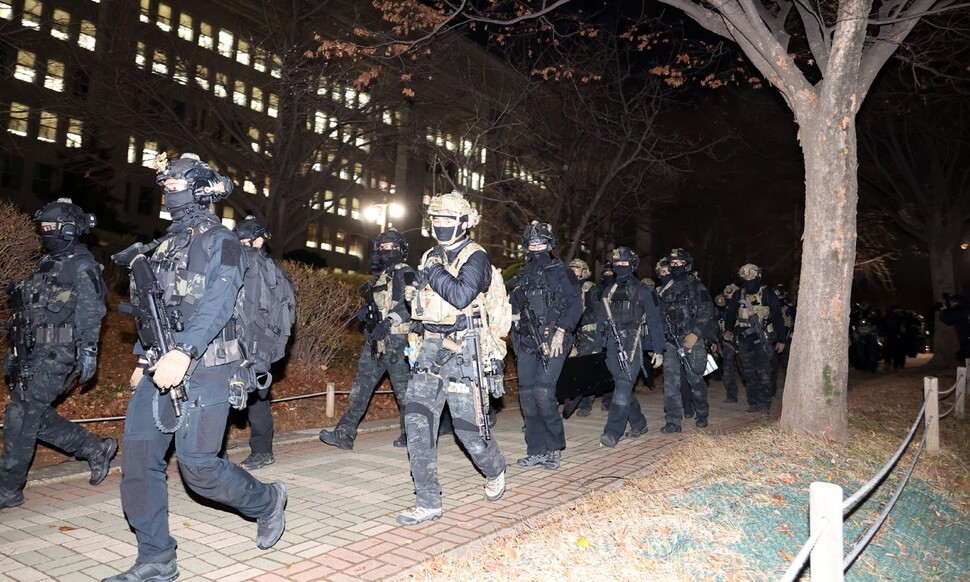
x=265, y=311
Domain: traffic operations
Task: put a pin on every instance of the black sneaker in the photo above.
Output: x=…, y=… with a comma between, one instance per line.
x=607, y=441
x=269, y=529
x=100, y=460
x=401, y=441
x=635, y=432
x=257, y=460
x=334, y=440
x=11, y=498
x=670, y=428
x=151, y=572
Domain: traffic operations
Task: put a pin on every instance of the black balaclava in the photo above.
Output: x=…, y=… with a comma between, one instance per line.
x=751, y=286
x=389, y=257
x=55, y=243
x=680, y=272
x=539, y=258
x=623, y=272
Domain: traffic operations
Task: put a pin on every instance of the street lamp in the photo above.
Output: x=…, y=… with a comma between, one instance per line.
x=379, y=213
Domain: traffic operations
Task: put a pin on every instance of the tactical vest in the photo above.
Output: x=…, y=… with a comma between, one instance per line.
x=627, y=310
x=430, y=307
x=680, y=308
x=383, y=293
x=542, y=298
x=587, y=322
x=49, y=300
x=754, y=307
x=180, y=264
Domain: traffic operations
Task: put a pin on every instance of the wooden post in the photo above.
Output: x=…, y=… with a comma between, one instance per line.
x=960, y=394
x=331, y=387
x=825, y=511
x=931, y=393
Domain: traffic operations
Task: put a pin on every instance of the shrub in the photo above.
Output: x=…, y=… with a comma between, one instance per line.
x=19, y=249
x=325, y=304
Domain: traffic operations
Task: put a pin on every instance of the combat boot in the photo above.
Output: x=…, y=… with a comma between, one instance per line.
x=553, y=460
x=257, y=460
x=99, y=459
x=415, y=515
x=533, y=460
x=150, y=572
x=336, y=439
x=635, y=432
x=670, y=428
x=11, y=498
x=269, y=528
x=401, y=441
x=701, y=422
x=608, y=441
x=495, y=488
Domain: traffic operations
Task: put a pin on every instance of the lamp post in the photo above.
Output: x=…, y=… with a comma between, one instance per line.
x=379, y=213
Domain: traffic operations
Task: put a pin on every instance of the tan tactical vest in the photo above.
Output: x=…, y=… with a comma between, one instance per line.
x=383, y=296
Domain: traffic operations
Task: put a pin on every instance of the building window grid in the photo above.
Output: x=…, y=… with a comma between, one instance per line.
x=205, y=35
x=185, y=31
x=256, y=100
x=148, y=153
x=239, y=93
x=160, y=63
x=47, y=131
x=164, y=19
x=75, y=132
x=219, y=89
x=61, y=24
x=242, y=52
x=25, y=68
x=225, y=43
x=33, y=10
x=181, y=75
x=325, y=240
x=55, y=76
x=311, y=235
x=87, y=37
x=6, y=11
x=145, y=11
x=340, y=242
x=19, y=119
x=202, y=77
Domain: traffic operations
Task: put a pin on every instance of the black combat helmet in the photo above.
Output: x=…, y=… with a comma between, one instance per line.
x=204, y=185
x=67, y=222
x=250, y=228
x=538, y=233
x=682, y=255
x=625, y=254
x=390, y=248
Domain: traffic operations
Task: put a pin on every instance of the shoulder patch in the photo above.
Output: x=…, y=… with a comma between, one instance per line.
x=231, y=252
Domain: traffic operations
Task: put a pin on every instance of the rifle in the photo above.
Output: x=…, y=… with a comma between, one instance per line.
x=528, y=318
x=372, y=318
x=757, y=327
x=155, y=326
x=470, y=365
x=21, y=338
x=622, y=356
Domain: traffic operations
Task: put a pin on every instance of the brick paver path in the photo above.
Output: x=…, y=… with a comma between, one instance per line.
x=342, y=505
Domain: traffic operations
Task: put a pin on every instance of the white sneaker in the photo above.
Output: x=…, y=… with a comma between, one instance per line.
x=415, y=515
x=494, y=488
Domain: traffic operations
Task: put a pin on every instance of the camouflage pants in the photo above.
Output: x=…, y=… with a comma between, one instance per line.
x=370, y=370
x=676, y=372
x=30, y=417
x=756, y=364
x=624, y=406
x=434, y=381
x=729, y=365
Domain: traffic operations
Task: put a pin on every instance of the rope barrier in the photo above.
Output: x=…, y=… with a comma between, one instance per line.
x=947, y=413
x=868, y=487
x=802, y=558
x=867, y=538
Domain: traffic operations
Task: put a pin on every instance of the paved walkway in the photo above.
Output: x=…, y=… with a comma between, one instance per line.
x=342, y=505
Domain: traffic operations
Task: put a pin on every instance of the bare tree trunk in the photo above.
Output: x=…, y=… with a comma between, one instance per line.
x=815, y=389
x=945, y=342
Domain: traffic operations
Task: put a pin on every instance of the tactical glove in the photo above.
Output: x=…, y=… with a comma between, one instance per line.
x=690, y=340
x=380, y=330
x=555, y=344
x=656, y=360
x=728, y=337
x=89, y=363
x=170, y=369
x=362, y=313
x=779, y=347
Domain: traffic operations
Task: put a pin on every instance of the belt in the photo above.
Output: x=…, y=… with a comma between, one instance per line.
x=54, y=334
x=435, y=335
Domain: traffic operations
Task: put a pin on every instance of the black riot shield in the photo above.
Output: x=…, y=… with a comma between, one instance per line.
x=583, y=376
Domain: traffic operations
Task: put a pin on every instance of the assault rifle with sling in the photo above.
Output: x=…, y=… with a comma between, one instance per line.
x=529, y=321
x=470, y=364
x=757, y=327
x=155, y=326
x=21, y=337
x=372, y=319
x=622, y=356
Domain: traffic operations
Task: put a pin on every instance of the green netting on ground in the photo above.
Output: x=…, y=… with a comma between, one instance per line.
x=924, y=538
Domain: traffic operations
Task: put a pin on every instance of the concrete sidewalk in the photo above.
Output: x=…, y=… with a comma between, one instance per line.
x=342, y=504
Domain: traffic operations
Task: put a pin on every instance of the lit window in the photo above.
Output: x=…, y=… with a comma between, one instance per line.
x=140, y=55
x=254, y=135
x=249, y=187
x=270, y=140
x=220, y=87
x=6, y=11
x=160, y=63
x=164, y=20
x=202, y=77
x=364, y=99
x=148, y=153
x=311, y=235
x=87, y=38
x=228, y=217
x=25, y=66
x=328, y=201
x=55, y=76
x=242, y=52
x=19, y=115
x=359, y=173
x=75, y=131
x=32, y=12
x=225, y=43
x=355, y=208
x=181, y=75
x=354, y=247
x=320, y=122
x=256, y=101
x=185, y=27
x=274, y=105
x=362, y=143
x=340, y=242
x=48, y=127
x=325, y=239
x=387, y=117
x=239, y=93
x=277, y=70
x=342, y=206
x=350, y=97
x=205, y=35
x=145, y=9
x=132, y=149
x=259, y=60
x=336, y=94
x=482, y=159
x=61, y=24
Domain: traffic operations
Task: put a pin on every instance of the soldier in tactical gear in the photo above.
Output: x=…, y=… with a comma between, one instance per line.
x=753, y=319
x=450, y=292
x=53, y=341
x=607, y=275
x=547, y=297
x=273, y=306
x=729, y=354
x=386, y=316
x=788, y=316
x=585, y=339
x=630, y=312
x=200, y=265
x=690, y=326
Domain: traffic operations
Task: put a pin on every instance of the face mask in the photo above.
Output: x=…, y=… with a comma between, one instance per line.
x=389, y=258
x=53, y=242
x=177, y=199
x=539, y=257
x=447, y=234
x=680, y=272
x=623, y=271
x=751, y=286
